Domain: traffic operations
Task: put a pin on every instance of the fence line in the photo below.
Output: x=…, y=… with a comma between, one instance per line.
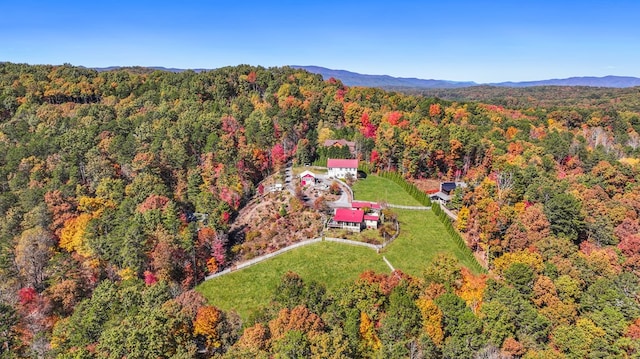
x=375, y=247
x=264, y=257
x=448, y=212
x=388, y=263
x=250, y=262
x=415, y=208
x=440, y=212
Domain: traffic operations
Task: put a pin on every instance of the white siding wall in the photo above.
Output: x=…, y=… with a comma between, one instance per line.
x=342, y=172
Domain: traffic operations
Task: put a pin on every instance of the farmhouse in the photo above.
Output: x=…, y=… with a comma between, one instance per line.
x=340, y=168
x=355, y=218
x=307, y=178
x=347, y=218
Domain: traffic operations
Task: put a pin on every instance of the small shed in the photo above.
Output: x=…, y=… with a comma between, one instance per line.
x=371, y=221
x=307, y=178
x=440, y=197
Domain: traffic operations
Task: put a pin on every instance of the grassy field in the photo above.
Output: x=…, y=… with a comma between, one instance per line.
x=422, y=237
x=378, y=189
x=332, y=264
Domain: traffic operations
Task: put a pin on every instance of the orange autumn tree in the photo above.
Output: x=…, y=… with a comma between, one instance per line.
x=207, y=324
x=298, y=318
x=472, y=289
x=62, y=209
x=255, y=337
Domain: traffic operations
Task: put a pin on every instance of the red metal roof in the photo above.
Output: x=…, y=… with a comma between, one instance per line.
x=308, y=174
x=359, y=204
x=368, y=217
x=348, y=215
x=340, y=163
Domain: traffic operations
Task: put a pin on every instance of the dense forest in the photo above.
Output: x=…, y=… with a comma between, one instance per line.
x=626, y=99
x=105, y=178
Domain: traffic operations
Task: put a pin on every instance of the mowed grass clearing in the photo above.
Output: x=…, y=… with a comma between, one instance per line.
x=422, y=237
x=329, y=263
x=378, y=189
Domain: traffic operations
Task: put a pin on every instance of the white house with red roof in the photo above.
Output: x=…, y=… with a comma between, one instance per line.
x=341, y=168
x=348, y=218
x=360, y=215
x=307, y=178
x=372, y=212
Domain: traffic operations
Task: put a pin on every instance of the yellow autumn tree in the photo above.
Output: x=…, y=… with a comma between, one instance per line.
x=463, y=219
x=73, y=234
x=324, y=134
x=431, y=319
x=532, y=259
x=94, y=205
x=368, y=332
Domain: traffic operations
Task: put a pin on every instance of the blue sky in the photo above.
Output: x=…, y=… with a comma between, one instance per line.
x=482, y=41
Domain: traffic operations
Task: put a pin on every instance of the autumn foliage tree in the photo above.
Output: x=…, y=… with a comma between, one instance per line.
x=208, y=325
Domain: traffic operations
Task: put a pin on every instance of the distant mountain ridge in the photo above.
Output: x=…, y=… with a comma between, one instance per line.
x=590, y=81
x=355, y=79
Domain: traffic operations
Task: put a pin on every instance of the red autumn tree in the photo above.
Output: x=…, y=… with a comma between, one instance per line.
x=278, y=156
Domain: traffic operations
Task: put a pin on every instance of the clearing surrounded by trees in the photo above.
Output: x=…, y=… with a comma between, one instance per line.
x=422, y=237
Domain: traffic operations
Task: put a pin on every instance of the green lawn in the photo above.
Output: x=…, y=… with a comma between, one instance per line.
x=422, y=237
x=332, y=264
x=378, y=189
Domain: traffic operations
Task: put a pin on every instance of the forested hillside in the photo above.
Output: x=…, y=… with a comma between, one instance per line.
x=106, y=179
